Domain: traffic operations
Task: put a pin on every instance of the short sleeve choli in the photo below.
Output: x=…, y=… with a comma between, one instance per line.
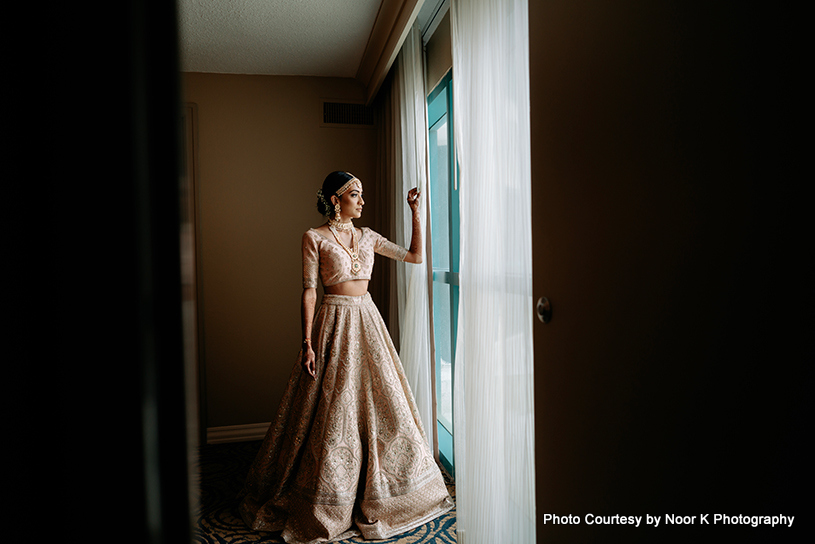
x=325, y=259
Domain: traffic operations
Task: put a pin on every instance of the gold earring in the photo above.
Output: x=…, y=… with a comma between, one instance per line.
x=337, y=210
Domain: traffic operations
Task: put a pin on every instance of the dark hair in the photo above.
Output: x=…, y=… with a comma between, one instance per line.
x=331, y=185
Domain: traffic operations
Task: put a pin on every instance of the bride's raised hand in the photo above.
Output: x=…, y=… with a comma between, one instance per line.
x=413, y=199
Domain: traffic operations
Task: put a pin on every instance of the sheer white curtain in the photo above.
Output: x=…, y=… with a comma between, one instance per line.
x=494, y=412
x=408, y=97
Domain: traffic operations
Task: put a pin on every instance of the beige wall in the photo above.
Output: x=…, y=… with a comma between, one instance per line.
x=262, y=155
x=439, y=53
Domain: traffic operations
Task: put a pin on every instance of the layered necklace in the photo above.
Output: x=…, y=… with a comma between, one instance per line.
x=353, y=251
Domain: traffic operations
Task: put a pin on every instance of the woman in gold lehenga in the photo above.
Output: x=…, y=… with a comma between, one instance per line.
x=346, y=453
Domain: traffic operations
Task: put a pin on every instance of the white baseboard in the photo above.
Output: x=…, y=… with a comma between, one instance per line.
x=237, y=433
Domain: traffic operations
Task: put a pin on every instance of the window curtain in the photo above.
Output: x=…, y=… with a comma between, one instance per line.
x=403, y=165
x=493, y=388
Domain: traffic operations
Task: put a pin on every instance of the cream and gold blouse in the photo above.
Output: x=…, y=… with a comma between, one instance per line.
x=325, y=257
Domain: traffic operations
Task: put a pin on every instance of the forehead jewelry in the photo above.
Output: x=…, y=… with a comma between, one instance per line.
x=348, y=184
x=335, y=222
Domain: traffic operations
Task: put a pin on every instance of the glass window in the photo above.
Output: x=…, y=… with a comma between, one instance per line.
x=444, y=239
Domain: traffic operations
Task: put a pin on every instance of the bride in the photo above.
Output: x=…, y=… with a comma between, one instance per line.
x=346, y=454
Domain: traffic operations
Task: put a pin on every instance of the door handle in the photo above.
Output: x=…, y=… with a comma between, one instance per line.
x=544, y=310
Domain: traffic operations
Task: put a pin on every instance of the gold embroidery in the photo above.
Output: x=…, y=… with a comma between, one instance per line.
x=327, y=259
x=349, y=441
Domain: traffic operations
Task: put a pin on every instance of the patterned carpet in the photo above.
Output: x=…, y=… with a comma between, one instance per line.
x=221, y=470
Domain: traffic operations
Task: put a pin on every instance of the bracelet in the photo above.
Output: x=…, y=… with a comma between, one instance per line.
x=307, y=341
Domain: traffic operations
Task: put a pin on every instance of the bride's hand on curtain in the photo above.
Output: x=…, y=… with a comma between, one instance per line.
x=413, y=200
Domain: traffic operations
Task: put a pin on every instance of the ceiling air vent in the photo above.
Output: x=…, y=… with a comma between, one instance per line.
x=340, y=114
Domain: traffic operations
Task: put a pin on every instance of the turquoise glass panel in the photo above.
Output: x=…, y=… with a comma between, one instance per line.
x=442, y=324
x=440, y=198
x=444, y=219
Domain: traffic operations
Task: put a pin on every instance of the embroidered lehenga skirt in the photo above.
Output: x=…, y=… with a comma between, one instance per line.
x=346, y=453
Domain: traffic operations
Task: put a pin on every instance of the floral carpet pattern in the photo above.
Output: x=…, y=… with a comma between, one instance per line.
x=221, y=470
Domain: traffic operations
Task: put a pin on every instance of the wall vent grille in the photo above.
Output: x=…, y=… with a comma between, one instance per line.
x=338, y=113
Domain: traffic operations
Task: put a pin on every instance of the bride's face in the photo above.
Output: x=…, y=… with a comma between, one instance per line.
x=351, y=203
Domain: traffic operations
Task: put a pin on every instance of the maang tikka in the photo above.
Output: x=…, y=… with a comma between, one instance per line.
x=335, y=221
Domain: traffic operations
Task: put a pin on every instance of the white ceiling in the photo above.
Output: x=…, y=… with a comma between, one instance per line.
x=280, y=37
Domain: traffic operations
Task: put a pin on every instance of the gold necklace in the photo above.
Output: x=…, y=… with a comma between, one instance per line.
x=353, y=252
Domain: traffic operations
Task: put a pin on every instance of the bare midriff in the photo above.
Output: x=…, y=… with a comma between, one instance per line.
x=352, y=288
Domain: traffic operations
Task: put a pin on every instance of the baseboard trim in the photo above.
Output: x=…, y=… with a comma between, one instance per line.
x=237, y=433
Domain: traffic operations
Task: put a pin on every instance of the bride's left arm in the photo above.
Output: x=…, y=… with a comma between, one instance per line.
x=414, y=254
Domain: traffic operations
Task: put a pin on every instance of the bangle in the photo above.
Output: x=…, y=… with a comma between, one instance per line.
x=307, y=341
